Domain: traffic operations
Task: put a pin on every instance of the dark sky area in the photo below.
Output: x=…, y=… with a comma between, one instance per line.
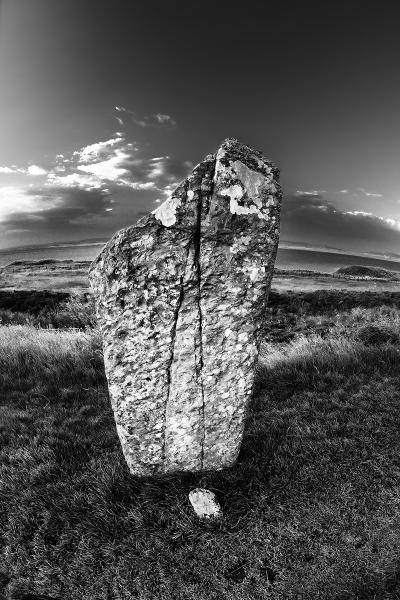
x=105, y=106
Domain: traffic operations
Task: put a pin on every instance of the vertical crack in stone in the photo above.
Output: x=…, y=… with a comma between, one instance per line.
x=197, y=241
x=207, y=184
x=171, y=359
x=200, y=367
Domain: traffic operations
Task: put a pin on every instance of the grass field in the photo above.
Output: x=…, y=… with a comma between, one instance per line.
x=311, y=509
x=46, y=274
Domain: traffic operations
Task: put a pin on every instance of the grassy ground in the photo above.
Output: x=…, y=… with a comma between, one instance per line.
x=311, y=509
x=47, y=274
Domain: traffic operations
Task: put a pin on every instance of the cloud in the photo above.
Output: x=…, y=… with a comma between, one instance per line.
x=31, y=170
x=166, y=169
x=79, y=180
x=121, y=163
x=382, y=221
x=164, y=119
x=61, y=203
x=94, y=152
x=79, y=190
x=312, y=217
x=14, y=200
x=52, y=209
x=312, y=193
x=374, y=195
x=36, y=170
x=154, y=120
x=110, y=169
x=6, y=170
x=360, y=193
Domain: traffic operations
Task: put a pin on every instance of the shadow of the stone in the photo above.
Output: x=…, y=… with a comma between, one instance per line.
x=271, y=415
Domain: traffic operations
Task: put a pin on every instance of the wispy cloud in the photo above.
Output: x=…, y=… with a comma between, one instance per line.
x=54, y=210
x=360, y=193
x=14, y=199
x=311, y=216
x=74, y=180
x=164, y=119
x=30, y=170
x=386, y=222
x=373, y=195
x=154, y=120
x=6, y=170
x=310, y=193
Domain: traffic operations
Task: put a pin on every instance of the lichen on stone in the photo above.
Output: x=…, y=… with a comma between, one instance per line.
x=166, y=212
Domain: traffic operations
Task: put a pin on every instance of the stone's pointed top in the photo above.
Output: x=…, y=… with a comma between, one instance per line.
x=232, y=148
x=231, y=141
x=237, y=172
x=234, y=143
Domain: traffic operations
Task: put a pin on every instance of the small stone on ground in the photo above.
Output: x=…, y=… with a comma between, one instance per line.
x=205, y=503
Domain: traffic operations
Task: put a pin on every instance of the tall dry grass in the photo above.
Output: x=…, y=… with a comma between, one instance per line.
x=31, y=356
x=54, y=311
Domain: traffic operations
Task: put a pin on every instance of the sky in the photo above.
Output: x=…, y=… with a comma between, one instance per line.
x=106, y=106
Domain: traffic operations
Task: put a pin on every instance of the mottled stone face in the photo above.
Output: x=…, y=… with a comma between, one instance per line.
x=181, y=299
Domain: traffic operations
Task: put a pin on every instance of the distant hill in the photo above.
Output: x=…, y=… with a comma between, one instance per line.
x=359, y=271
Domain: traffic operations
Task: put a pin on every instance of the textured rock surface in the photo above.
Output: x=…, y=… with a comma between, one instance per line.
x=181, y=298
x=205, y=503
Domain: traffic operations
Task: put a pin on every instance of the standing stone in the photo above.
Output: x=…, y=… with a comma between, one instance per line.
x=181, y=299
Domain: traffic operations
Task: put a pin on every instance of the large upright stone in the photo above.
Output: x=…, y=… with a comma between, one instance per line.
x=181, y=299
